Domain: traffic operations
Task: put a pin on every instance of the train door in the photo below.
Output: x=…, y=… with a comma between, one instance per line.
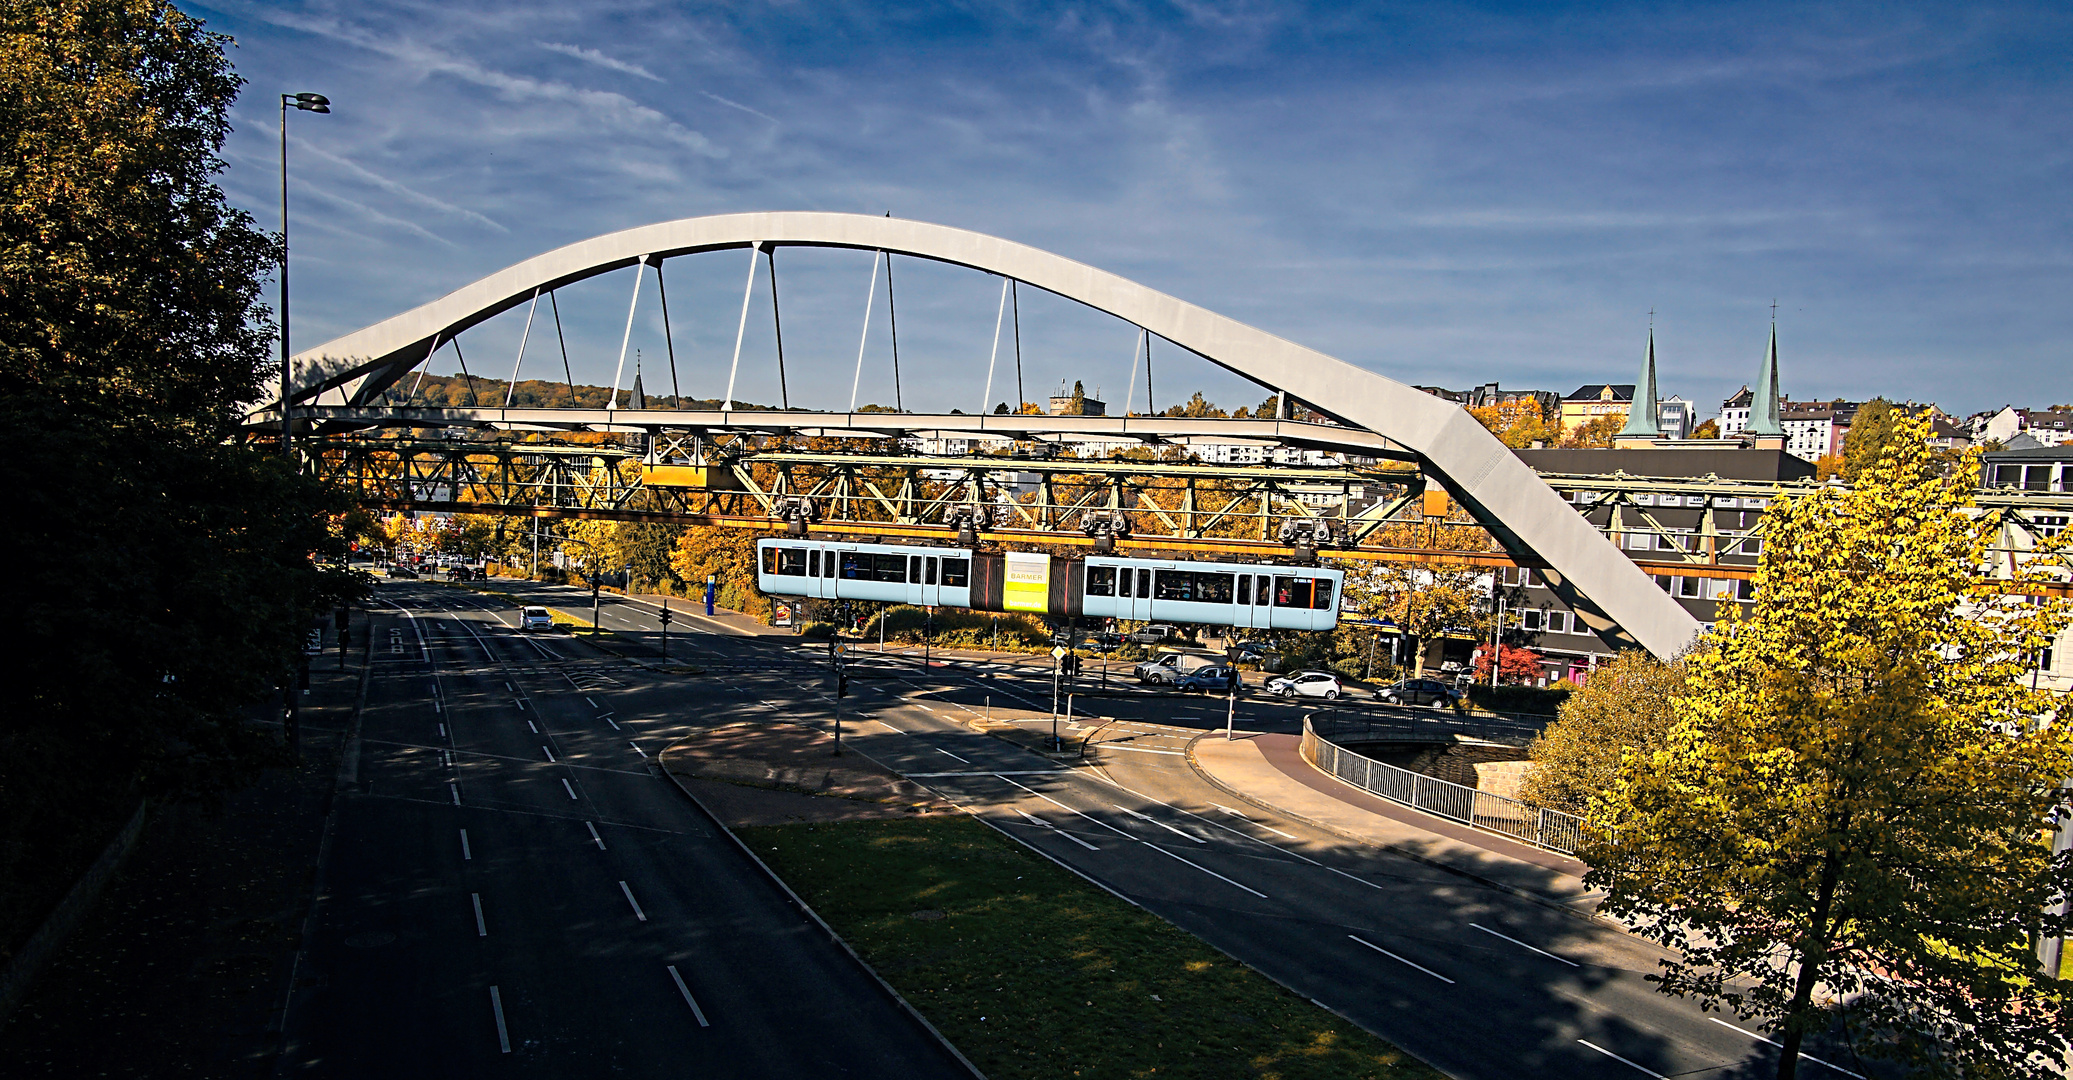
x=931, y=579
x=1249, y=605
x=1140, y=578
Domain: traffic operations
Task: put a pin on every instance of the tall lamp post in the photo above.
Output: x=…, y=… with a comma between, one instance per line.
x=316, y=103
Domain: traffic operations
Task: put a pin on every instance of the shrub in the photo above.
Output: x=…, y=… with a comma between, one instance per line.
x=1537, y=700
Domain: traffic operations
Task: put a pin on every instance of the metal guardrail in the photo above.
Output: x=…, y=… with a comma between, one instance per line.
x=1539, y=826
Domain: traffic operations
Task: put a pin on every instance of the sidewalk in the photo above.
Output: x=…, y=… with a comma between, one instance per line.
x=1268, y=771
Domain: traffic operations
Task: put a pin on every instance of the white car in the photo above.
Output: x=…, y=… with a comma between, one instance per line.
x=535, y=618
x=1320, y=684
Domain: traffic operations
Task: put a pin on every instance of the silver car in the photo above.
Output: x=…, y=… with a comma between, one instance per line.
x=1319, y=684
x=535, y=618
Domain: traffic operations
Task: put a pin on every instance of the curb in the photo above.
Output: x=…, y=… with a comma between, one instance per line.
x=20, y=974
x=895, y=995
x=1513, y=890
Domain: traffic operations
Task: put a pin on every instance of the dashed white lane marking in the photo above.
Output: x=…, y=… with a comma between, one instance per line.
x=637, y=912
x=508, y=686
x=496, y=1005
x=1804, y=1056
x=548, y=752
x=593, y=704
x=686, y=991
x=442, y=731
x=948, y=754
x=455, y=790
x=566, y=786
x=1248, y=820
x=465, y=853
x=520, y=702
x=1161, y=824
x=594, y=836
x=1644, y=1070
x=480, y=929
x=637, y=749
x=1426, y=970
x=529, y=727
x=608, y=720
x=1009, y=772
x=1523, y=945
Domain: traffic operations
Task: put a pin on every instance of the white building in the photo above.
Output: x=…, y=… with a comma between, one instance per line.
x=1734, y=413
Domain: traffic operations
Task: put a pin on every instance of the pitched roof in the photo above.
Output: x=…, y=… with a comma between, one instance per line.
x=1595, y=392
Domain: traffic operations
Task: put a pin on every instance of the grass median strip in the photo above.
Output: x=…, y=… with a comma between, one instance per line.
x=1032, y=972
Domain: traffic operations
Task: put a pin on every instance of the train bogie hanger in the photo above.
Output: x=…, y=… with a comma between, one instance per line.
x=1246, y=595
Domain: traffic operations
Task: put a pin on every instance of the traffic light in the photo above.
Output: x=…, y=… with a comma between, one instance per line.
x=842, y=684
x=667, y=617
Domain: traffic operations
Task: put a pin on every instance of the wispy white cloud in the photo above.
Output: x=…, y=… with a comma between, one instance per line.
x=592, y=56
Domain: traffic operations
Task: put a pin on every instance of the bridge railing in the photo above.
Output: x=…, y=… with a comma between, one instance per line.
x=1536, y=825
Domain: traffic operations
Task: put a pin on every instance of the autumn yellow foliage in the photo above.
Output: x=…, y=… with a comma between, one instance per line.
x=1845, y=822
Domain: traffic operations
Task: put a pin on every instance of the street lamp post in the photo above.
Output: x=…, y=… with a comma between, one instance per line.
x=316, y=103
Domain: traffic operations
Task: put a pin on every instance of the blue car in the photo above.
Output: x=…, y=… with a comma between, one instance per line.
x=1221, y=678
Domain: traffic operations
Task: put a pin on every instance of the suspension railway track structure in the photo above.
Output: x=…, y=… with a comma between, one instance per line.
x=1414, y=462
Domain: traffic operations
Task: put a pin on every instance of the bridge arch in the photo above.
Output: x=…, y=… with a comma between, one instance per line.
x=1612, y=594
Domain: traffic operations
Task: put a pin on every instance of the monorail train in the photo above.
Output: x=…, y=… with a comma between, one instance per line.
x=1244, y=595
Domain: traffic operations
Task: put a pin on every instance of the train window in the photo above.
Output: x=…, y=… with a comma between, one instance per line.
x=1101, y=581
x=957, y=573
x=1322, y=601
x=892, y=567
x=1194, y=585
x=1292, y=592
x=1245, y=589
x=813, y=564
x=931, y=580
x=770, y=560
x=914, y=570
x=856, y=567
x=791, y=562
x=1144, y=583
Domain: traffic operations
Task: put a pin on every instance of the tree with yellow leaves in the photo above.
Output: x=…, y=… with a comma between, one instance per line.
x=1517, y=423
x=1847, y=822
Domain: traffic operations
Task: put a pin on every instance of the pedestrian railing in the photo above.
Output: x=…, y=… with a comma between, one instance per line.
x=1551, y=829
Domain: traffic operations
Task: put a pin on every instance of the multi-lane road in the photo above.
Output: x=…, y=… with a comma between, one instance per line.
x=599, y=888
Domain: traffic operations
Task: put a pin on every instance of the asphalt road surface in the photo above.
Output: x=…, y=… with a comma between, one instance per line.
x=1481, y=983
x=507, y=888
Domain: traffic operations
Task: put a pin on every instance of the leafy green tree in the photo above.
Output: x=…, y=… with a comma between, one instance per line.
x=1845, y=823
x=162, y=574
x=1870, y=433
x=1624, y=706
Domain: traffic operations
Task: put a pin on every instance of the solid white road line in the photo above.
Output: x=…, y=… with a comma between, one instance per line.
x=549, y=753
x=465, y=853
x=1250, y=821
x=1803, y=1054
x=570, y=789
x=1010, y=772
x=455, y=790
x=686, y=991
x=1401, y=960
x=1523, y=945
x=594, y=836
x=637, y=912
x=1639, y=1068
x=480, y=929
x=496, y=1005
x=947, y=753
x=1161, y=824
x=1062, y=806
x=1205, y=870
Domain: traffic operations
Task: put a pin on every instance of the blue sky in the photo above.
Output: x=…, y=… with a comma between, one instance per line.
x=1444, y=194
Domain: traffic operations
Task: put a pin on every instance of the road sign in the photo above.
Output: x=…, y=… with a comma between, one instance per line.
x=1059, y=653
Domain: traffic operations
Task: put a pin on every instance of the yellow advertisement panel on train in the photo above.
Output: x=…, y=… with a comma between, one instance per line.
x=1027, y=585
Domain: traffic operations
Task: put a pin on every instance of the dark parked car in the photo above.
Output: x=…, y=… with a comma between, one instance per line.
x=402, y=572
x=1419, y=692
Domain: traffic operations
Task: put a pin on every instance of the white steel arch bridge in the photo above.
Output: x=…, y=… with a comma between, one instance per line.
x=336, y=388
